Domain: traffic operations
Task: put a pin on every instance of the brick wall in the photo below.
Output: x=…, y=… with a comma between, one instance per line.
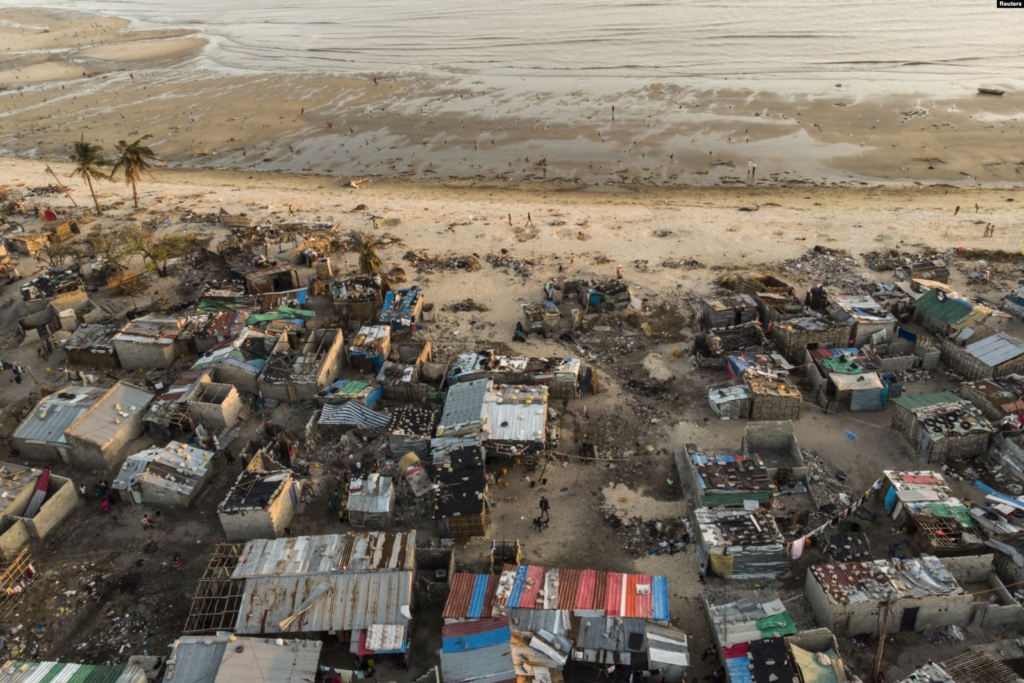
x=134, y=356
x=13, y=540
x=58, y=507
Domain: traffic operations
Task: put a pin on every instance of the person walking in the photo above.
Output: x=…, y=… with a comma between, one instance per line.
x=753, y=170
x=179, y=563
x=147, y=522
x=545, y=508
x=750, y=166
x=618, y=272
x=529, y=219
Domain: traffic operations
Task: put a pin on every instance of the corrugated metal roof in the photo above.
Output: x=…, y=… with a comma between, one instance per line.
x=667, y=646
x=917, y=401
x=463, y=408
x=515, y=413
x=487, y=665
x=995, y=350
x=104, y=420
x=314, y=555
x=195, y=659
x=374, y=493
x=13, y=480
x=352, y=602
x=947, y=308
x=152, y=330
x=176, y=466
x=470, y=596
x=46, y=672
x=476, y=634
x=55, y=413
x=262, y=659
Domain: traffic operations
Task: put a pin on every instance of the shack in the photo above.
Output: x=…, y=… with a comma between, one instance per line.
x=357, y=298
x=952, y=316
x=410, y=430
x=848, y=597
x=239, y=361
x=728, y=311
x=369, y=348
x=33, y=502
x=730, y=402
x=941, y=426
x=607, y=295
x=796, y=336
x=401, y=382
x=995, y=356
x=303, y=363
x=371, y=502
x=460, y=501
x=726, y=479
x=560, y=375
x=871, y=321
x=171, y=476
x=233, y=659
x=747, y=628
x=93, y=345
x=924, y=505
x=845, y=377
x=712, y=346
x=276, y=278
x=345, y=390
x=40, y=436
x=149, y=342
x=261, y=502
x=402, y=308
x=772, y=396
x=739, y=544
x=998, y=399
x=100, y=437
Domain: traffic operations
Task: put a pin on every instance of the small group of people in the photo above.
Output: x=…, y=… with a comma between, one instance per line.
x=751, y=169
x=990, y=230
x=15, y=368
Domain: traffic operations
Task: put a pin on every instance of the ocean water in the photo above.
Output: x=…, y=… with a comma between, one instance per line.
x=883, y=40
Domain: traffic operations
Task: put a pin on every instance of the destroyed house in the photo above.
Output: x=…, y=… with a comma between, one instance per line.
x=93, y=345
x=974, y=666
x=460, y=499
x=952, y=316
x=371, y=502
x=171, y=476
x=609, y=295
x=871, y=321
x=941, y=426
x=739, y=544
x=369, y=348
x=149, y=342
x=358, y=297
x=927, y=269
x=995, y=356
x=845, y=377
x=795, y=336
x=898, y=355
x=207, y=330
x=560, y=375
x=261, y=502
x=40, y=437
x=240, y=360
x=410, y=430
x=193, y=399
x=401, y=382
x=848, y=597
x=357, y=586
x=56, y=281
x=303, y=363
x=233, y=659
x=276, y=278
x=402, y=308
x=816, y=657
x=100, y=438
x=725, y=479
x=345, y=390
x=728, y=311
x=1000, y=400
x=939, y=522
x=33, y=503
x=19, y=671
x=719, y=342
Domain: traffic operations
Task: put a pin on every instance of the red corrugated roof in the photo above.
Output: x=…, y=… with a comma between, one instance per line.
x=613, y=600
x=600, y=590
x=532, y=587
x=645, y=601
x=585, y=592
x=460, y=593
x=568, y=588
x=467, y=628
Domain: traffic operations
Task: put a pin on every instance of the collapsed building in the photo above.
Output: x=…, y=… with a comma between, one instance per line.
x=93, y=345
x=261, y=503
x=357, y=298
x=560, y=375
x=938, y=521
x=871, y=321
x=952, y=317
x=33, y=503
x=303, y=363
x=724, y=479
x=171, y=476
x=240, y=360
x=402, y=308
x=369, y=348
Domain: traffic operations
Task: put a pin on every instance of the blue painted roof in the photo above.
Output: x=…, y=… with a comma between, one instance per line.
x=739, y=670
x=659, y=598
x=517, y=586
x=476, y=641
x=476, y=602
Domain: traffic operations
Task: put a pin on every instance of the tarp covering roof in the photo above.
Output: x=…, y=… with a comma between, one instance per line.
x=353, y=414
x=15, y=671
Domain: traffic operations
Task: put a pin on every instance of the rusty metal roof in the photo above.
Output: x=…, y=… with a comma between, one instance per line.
x=470, y=596
x=313, y=555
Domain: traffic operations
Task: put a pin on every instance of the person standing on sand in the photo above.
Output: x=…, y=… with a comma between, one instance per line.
x=753, y=170
x=750, y=166
x=618, y=272
x=545, y=508
x=510, y=219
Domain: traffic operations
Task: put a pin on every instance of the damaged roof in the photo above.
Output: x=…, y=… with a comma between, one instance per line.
x=177, y=467
x=313, y=555
x=255, y=489
x=515, y=413
x=55, y=413
x=13, y=480
x=150, y=329
x=855, y=582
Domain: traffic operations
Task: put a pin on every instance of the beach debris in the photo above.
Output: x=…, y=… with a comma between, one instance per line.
x=356, y=183
x=507, y=261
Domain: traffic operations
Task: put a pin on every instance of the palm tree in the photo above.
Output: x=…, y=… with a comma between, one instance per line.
x=133, y=159
x=88, y=159
x=369, y=261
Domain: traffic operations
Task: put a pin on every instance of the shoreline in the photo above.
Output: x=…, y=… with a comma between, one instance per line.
x=461, y=127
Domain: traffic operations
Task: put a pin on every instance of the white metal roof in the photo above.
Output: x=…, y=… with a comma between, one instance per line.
x=252, y=660
x=515, y=413
x=55, y=413
x=314, y=555
x=110, y=414
x=995, y=350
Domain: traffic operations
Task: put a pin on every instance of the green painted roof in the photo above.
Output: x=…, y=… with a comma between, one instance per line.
x=949, y=311
x=958, y=512
x=844, y=365
x=915, y=401
x=814, y=671
x=776, y=625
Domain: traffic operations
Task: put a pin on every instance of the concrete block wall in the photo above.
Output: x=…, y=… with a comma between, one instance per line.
x=775, y=435
x=1001, y=609
x=216, y=415
x=58, y=507
x=134, y=356
x=14, y=539
x=268, y=523
x=242, y=379
x=36, y=452
x=970, y=568
x=110, y=455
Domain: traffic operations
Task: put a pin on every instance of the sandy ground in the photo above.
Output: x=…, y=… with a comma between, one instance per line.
x=623, y=225
x=458, y=127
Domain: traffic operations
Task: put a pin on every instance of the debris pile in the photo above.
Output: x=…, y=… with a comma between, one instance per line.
x=423, y=262
x=466, y=305
x=641, y=537
x=506, y=261
x=830, y=267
